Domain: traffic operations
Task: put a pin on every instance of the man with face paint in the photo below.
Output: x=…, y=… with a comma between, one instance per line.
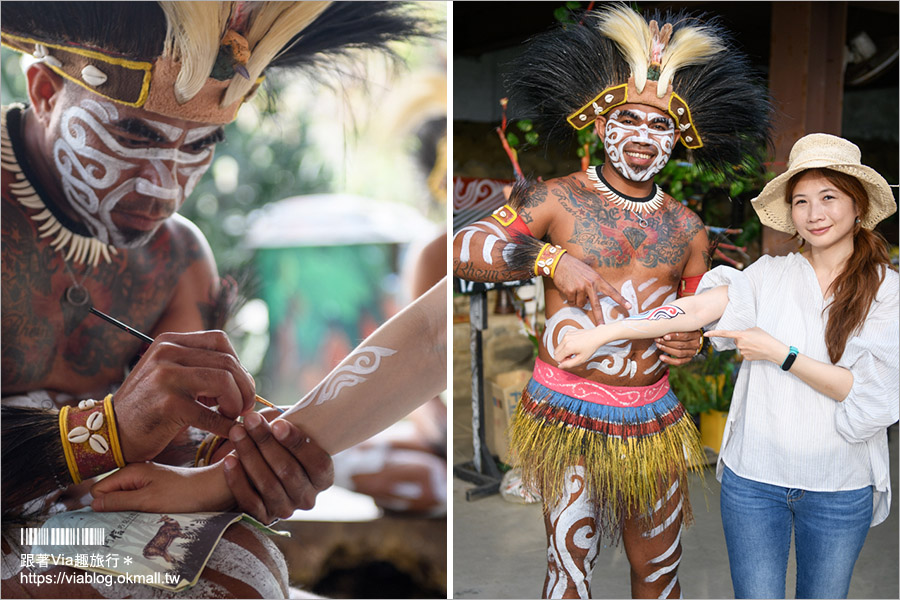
x=607, y=444
x=121, y=124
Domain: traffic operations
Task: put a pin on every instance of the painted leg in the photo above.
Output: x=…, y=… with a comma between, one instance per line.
x=653, y=547
x=571, y=541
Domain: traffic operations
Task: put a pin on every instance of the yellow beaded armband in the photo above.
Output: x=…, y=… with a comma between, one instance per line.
x=90, y=439
x=547, y=259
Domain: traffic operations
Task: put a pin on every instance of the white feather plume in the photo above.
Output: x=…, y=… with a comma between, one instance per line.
x=194, y=32
x=273, y=24
x=631, y=33
x=689, y=46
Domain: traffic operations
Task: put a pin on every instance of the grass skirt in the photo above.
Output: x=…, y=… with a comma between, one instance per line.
x=631, y=454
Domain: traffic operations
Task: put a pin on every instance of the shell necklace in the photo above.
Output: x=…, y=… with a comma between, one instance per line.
x=642, y=205
x=78, y=247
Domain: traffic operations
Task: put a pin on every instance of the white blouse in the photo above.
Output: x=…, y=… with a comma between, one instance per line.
x=780, y=430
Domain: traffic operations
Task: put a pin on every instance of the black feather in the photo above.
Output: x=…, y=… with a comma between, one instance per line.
x=563, y=69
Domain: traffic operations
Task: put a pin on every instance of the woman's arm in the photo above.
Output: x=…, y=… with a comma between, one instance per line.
x=397, y=368
x=684, y=314
x=755, y=344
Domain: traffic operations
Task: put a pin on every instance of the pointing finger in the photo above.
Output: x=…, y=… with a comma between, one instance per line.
x=722, y=333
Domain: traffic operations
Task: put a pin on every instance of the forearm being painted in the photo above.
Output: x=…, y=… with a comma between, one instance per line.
x=397, y=368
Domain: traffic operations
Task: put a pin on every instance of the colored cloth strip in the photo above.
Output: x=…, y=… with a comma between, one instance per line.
x=631, y=452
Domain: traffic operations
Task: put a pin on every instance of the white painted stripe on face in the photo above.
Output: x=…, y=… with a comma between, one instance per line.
x=146, y=188
x=169, y=132
x=198, y=133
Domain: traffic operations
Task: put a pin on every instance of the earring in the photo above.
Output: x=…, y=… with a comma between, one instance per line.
x=857, y=220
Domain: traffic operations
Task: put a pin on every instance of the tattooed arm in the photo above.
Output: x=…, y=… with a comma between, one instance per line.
x=680, y=347
x=393, y=371
x=489, y=251
x=482, y=251
x=684, y=314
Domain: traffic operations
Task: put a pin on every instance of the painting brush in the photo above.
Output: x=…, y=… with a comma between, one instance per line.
x=146, y=338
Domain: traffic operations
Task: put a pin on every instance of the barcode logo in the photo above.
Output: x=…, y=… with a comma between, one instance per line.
x=62, y=536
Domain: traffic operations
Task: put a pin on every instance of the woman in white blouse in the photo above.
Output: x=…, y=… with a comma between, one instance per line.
x=805, y=445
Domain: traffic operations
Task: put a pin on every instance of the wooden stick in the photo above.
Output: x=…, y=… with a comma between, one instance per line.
x=146, y=338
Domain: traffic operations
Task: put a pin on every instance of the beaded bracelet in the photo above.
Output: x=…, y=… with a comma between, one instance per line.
x=90, y=440
x=547, y=260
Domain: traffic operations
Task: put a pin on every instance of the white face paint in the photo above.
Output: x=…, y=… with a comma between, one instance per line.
x=634, y=126
x=97, y=172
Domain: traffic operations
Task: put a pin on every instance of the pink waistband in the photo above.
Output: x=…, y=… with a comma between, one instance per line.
x=590, y=391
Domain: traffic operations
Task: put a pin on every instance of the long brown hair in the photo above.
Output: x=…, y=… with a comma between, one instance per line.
x=856, y=286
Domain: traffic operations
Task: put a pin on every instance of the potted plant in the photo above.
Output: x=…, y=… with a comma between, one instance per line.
x=705, y=386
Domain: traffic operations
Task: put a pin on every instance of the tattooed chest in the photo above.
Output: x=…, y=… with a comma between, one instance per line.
x=616, y=238
x=50, y=340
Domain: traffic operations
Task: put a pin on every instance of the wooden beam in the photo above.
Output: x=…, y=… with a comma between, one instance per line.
x=806, y=80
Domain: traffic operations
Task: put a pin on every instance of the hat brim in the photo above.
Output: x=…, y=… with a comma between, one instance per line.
x=774, y=210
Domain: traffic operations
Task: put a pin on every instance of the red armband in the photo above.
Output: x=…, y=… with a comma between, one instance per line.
x=509, y=218
x=688, y=285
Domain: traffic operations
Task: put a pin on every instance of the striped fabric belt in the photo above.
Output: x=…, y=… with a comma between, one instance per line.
x=574, y=386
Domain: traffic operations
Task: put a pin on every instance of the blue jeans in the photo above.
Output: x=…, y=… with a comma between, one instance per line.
x=829, y=531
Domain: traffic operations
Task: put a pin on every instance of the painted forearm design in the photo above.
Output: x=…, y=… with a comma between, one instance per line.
x=364, y=361
x=668, y=311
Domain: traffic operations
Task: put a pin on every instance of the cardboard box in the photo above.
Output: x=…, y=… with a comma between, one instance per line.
x=505, y=390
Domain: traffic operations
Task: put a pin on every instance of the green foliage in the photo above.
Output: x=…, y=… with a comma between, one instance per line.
x=706, y=383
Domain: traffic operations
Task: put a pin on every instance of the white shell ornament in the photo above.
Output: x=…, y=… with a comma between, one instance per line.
x=86, y=404
x=53, y=61
x=95, y=421
x=546, y=270
x=608, y=98
x=688, y=138
x=98, y=444
x=40, y=51
x=552, y=249
x=582, y=117
x=93, y=76
x=680, y=110
x=79, y=435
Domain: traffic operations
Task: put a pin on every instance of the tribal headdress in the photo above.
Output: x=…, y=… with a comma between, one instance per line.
x=685, y=66
x=197, y=61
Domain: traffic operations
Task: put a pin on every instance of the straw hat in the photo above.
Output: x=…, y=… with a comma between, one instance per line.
x=823, y=151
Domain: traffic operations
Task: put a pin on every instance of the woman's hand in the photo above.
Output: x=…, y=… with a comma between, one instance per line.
x=149, y=487
x=576, y=347
x=755, y=344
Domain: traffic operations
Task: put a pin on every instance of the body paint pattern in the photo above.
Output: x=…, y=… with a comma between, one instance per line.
x=89, y=173
x=617, y=135
x=615, y=354
x=480, y=239
x=660, y=312
x=365, y=361
x=571, y=540
x=653, y=572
